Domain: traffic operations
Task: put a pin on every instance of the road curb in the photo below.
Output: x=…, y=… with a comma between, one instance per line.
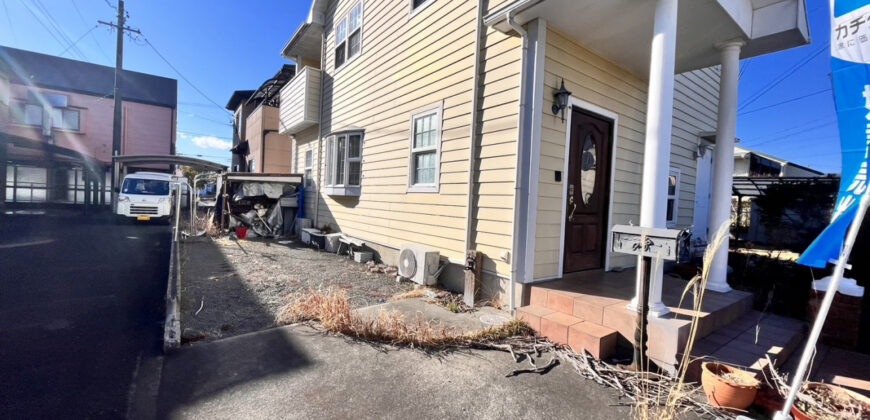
x=172, y=326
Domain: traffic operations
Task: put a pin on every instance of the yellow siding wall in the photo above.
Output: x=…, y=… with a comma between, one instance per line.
x=407, y=63
x=307, y=140
x=593, y=79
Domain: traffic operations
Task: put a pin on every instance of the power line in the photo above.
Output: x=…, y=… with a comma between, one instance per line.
x=43, y=24
x=779, y=79
x=96, y=41
x=807, y=126
x=9, y=19
x=57, y=27
x=746, y=64
x=209, y=119
x=147, y=41
x=77, y=40
x=784, y=102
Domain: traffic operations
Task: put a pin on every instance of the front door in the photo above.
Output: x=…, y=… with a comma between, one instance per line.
x=588, y=190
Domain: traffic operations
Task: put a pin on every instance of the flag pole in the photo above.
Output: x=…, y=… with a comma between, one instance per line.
x=798, y=376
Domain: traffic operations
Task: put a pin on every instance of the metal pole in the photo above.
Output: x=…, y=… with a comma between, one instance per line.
x=177, y=210
x=640, y=333
x=806, y=357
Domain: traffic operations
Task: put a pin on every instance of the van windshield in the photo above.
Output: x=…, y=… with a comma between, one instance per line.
x=145, y=186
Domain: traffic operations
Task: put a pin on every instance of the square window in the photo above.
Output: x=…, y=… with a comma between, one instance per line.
x=32, y=114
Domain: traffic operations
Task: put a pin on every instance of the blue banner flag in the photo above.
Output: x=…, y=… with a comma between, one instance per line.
x=850, y=66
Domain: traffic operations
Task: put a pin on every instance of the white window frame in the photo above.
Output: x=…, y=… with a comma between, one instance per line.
x=437, y=110
x=344, y=43
x=675, y=172
x=341, y=187
x=309, y=168
x=414, y=10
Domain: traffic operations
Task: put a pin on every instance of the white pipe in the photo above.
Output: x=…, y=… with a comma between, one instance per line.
x=806, y=357
x=723, y=160
x=320, y=177
x=517, y=188
x=657, y=144
x=471, y=137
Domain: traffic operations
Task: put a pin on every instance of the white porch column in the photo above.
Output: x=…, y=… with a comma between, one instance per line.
x=723, y=162
x=657, y=146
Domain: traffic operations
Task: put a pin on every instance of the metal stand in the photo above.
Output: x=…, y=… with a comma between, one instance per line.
x=639, y=363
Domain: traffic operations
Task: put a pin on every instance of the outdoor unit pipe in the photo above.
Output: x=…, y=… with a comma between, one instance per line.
x=518, y=196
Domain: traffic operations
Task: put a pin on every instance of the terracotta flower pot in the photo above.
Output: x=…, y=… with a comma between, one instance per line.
x=836, y=392
x=722, y=392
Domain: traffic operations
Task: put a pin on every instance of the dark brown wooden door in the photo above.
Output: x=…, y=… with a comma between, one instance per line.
x=588, y=190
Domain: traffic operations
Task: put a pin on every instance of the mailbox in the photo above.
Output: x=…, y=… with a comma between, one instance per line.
x=657, y=243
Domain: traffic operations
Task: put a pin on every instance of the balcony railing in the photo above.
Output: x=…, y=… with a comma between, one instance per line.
x=300, y=101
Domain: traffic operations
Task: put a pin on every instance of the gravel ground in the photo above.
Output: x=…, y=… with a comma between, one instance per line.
x=231, y=287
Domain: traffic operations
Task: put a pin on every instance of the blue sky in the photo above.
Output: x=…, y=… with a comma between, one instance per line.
x=786, y=105
x=219, y=45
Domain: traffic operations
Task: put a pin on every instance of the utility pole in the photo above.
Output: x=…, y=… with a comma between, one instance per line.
x=119, y=67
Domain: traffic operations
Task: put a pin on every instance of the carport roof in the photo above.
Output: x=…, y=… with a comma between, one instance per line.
x=170, y=159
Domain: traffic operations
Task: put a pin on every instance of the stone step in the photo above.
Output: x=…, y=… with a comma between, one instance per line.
x=569, y=330
x=749, y=341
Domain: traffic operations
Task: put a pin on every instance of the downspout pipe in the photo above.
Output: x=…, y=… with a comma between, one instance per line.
x=472, y=153
x=320, y=176
x=518, y=188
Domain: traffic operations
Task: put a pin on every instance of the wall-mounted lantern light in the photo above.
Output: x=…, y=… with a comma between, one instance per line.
x=560, y=100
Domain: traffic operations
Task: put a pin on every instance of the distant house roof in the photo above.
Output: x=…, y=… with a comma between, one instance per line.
x=237, y=98
x=58, y=73
x=742, y=152
x=268, y=92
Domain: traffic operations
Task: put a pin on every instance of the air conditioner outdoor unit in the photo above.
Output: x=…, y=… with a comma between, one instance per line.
x=419, y=263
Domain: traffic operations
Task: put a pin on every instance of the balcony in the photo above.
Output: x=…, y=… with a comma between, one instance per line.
x=300, y=102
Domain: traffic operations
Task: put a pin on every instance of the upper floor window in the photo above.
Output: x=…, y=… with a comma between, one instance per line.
x=348, y=35
x=34, y=114
x=673, y=196
x=418, y=5
x=344, y=163
x=424, y=161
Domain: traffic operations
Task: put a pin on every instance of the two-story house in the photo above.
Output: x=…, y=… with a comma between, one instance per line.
x=524, y=129
x=258, y=144
x=69, y=104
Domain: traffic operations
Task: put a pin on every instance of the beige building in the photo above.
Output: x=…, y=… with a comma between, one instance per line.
x=258, y=146
x=436, y=122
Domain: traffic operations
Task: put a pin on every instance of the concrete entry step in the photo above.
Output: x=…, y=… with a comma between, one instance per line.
x=569, y=330
x=749, y=341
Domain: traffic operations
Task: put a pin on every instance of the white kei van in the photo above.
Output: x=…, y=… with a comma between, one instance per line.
x=146, y=195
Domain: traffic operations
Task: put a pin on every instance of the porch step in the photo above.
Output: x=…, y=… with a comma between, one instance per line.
x=566, y=329
x=749, y=341
x=608, y=309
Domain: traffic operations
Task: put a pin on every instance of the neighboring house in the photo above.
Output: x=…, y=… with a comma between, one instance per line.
x=433, y=122
x=756, y=164
x=258, y=146
x=241, y=109
x=754, y=173
x=69, y=104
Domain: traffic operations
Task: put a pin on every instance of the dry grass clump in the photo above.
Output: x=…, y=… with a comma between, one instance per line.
x=333, y=311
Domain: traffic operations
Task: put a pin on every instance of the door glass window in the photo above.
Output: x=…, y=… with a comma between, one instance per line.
x=588, y=169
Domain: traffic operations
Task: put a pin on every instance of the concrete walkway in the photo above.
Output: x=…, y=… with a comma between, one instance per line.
x=298, y=372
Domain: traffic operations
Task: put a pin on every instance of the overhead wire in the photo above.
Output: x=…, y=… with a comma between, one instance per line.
x=77, y=40
x=9, y=20
x=100, y=47
x=147, y=41
x=784, y=102
x=60, y=30
x=782, y=77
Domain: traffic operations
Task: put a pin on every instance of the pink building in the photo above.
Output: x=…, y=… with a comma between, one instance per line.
x=69, y=104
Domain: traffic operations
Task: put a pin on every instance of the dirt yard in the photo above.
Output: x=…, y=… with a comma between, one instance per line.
x=231, y=287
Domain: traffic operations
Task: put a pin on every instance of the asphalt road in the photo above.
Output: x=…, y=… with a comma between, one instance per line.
x=81, y=307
